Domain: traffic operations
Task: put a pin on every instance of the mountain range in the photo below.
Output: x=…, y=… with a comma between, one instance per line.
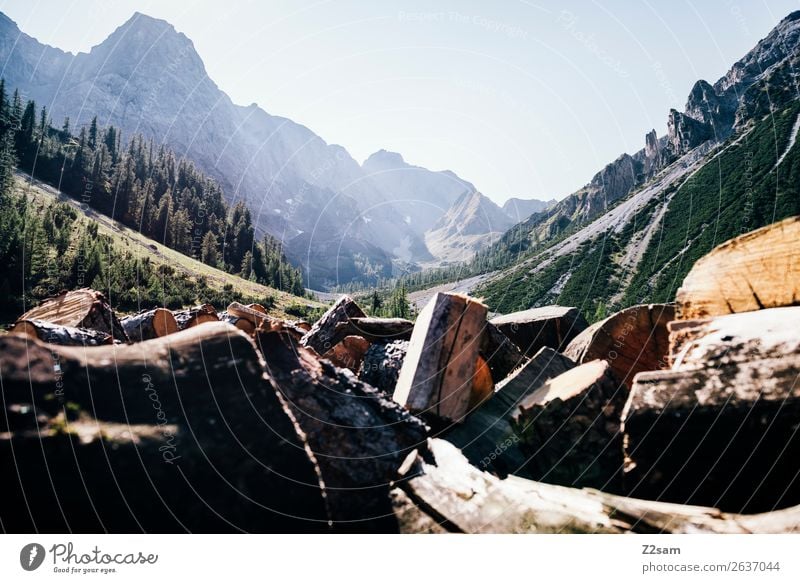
x=343, y=221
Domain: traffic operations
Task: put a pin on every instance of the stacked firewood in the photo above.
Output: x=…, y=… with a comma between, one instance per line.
x=665, y=417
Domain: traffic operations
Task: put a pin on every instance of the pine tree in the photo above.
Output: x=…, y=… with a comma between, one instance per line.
x=208, y=250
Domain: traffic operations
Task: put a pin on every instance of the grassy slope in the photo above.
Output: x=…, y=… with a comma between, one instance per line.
x=130, y=240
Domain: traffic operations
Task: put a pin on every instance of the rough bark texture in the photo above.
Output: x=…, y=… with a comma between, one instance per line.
x=633, y=340
x=195, y=316
x=570, y=428
x=501, y=354
x=359, y=437
x=453, y=495
x=552, y=326
x=486, y=437
x=382, y=363
x=150, y=324
x=715, y=341
x=81, y=308
x=61, y=335
x=725, y=435
x=179, y=433
x=323, y=333
x=757, y=270
x=439, y=369
x=374, y=329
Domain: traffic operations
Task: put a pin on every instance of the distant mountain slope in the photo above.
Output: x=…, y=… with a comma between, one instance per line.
x=518, y=209
x=470, y=224
x=728, y=164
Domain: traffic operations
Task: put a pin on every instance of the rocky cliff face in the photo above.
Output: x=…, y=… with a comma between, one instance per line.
x=519, y=209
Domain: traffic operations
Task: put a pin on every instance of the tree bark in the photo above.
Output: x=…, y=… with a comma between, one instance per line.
x=382, y=363
x=195, y=316
x=570, y=428
x=61, y=335
x=757, y=270
x=725, y=435
x=501, y=354
x=631, y=341
x=179, y=433
x=150, y=324
x=81, y=308
x=323, y=333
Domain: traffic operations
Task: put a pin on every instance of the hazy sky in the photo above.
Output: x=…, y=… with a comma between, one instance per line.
x=522, y=98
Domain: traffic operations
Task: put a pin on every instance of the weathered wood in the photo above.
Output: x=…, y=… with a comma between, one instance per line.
x=61, y=335
x=179, y=433
x=149, y=324
x=349, y=353
x=770, y=333
x=757, y=270
x=446, y=492
x=486, y=437
x=725, y=435
x=501, y=354
x=195, y=316
x=633, y=340
x=358, y=436
x=382, y=364
x=81, y=308
x=374, y=329
x=439, y=369
x=570, y=428
x=323, y=333
x=552, y=326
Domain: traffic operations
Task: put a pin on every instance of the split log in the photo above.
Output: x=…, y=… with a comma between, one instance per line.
x=374, y=329
x=149, y=324
x=358, y=436
x=323, y=333
x=194, y=316
x=486, y=437
x=242, y=324
x=725, y=435
x=382, y=364
x=179, y=433
x=631, y=341
x=253, y=313
x=61, y=335
x=439, y=369
x=349, y=353
x=448, y=493
x=757, y=270
x=501, y=354
x=81, y=308
x=770, y=333
x=570, y=428
x=552, y=326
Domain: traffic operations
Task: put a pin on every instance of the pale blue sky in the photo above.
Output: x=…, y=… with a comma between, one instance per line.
x=522, y=98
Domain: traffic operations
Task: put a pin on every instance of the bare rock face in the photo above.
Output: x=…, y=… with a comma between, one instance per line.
x=685, y=133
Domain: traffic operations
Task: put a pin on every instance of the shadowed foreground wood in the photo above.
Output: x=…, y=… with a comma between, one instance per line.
x=486, y=437
x=454, y=496
x=500, y=353
x=382, y=364
x=726, y=435
x=80, y=308
x=358, y=436
x=438, y=372
x=149, y=324
x=61, y=335
x=631, y=341
x=552, y=326
x=757, y=270
x=180, y=433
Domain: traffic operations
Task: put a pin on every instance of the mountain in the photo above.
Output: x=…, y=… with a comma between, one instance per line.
x=518, y=209
x=728, y=164
x=471, y=223
x=340, y=220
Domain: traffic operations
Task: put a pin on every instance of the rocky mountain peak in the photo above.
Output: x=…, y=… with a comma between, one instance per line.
x=383, y=160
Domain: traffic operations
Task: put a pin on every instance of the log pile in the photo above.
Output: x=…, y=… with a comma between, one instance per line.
x=660, y=418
